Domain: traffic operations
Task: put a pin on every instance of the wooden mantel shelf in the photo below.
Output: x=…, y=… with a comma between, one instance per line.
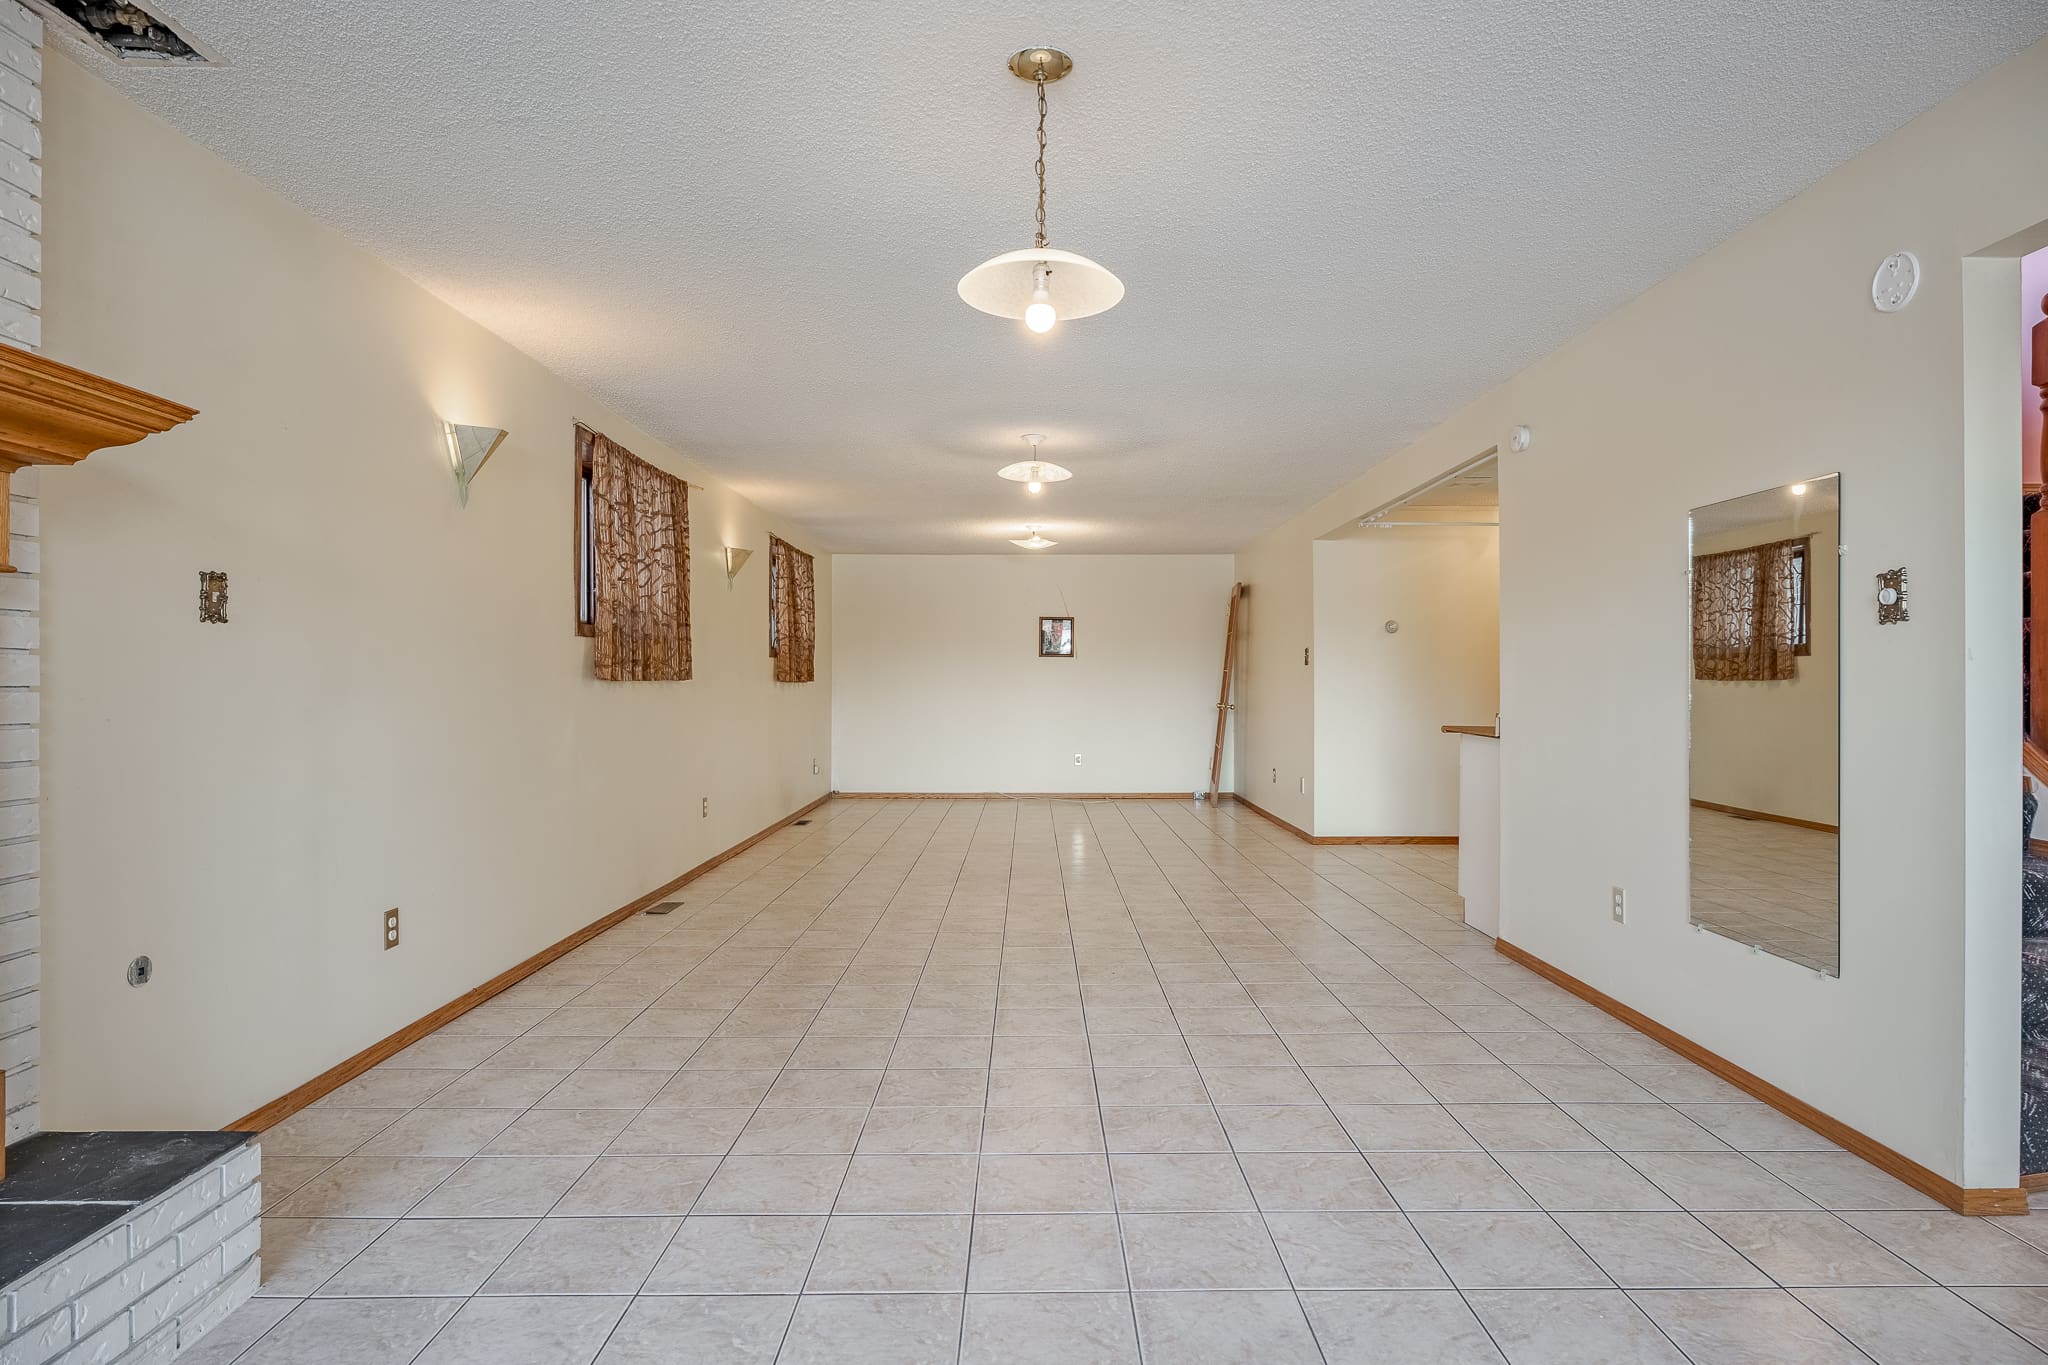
x=54, y=414
x=1482, y=731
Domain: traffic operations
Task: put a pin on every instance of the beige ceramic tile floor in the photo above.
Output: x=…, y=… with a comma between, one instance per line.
x=1772, y=885
x=1067, y=1082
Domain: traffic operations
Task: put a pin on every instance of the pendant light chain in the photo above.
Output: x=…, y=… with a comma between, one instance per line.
x=1041, y=157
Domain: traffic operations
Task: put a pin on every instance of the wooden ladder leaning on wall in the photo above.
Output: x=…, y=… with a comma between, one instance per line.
x=1224, y=705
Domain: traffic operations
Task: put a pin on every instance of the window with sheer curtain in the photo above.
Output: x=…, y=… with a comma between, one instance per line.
x=632, y=563
x=1751, y=612
x=792, y=612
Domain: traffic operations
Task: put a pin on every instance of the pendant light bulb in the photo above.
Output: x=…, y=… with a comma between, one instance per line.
x=1035, y=485
x=1040, y=315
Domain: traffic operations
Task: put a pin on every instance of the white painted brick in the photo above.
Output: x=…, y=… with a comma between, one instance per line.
x=184, y=1290
x=210, y=1312
x=41, y=1341
x=24, y=328
x=24, y=1087
x=24, y=287
x=19, y=594
x=26, y=516
x=157, y=1222
x=58, y=1284
x=19, y=820
x=110, y=1298
x=20, y=169
x=20, y=1012
x=23, y=1121
x=17, y=245
x=211, y=1229
x=20, y=860
x=160, y=1349
x=18, y=667
x=20, y=706
x=26, y=551
x=243, y=1244
x=102, y=1347
x=19, y=130
x=19, y=973
x=18, y=1050
x=23, y=783
x=20, y=935
x=20, y=897
x=22, y=21
x=241, y=1170
x=19, y=92
x=26, y=482
x=21, y=54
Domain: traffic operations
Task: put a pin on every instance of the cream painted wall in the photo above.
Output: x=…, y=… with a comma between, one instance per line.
x=1381, y=701
x=1773, y=746
x=397, y=713
x=1751, y=367
x=1274, y=731
x=938, y=686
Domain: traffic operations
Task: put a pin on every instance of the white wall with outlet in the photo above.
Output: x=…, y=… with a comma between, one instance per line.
x=938, y=685
x=398, y=712
x=1759, y=364
x=1382, y=698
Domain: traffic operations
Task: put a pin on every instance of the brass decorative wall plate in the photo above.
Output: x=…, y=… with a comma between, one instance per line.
x=213, y=597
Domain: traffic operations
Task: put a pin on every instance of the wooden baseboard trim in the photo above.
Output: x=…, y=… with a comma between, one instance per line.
x=1015, y=796
x=2036, y=1181
x=340, y=1074
x=1977, y=1201
x=1744, y=813
x=1350, y=839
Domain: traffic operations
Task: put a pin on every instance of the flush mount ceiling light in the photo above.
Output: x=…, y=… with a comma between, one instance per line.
x=1040, y=284
x=1034, y=473
x=1037, y=541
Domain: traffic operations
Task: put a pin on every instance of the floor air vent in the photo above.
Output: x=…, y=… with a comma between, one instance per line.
x=125, y=32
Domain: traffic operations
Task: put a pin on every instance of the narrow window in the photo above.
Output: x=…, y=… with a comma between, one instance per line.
x=586, y=535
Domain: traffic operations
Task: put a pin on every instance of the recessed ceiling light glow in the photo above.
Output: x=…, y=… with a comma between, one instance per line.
x=1034, y=473
x=1037, y=541
x=1040, y=284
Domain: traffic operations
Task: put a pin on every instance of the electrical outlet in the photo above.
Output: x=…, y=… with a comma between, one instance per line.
x=1077, y=760
x=391, y=928
x=814, y=767
x=1620, y=904
x=706, y=813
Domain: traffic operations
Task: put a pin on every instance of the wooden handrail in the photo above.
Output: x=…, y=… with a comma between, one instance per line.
x=2035, y=760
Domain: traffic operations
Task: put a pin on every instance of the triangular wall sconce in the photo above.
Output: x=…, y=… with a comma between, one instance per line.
x=736, y=558
x=468, y=448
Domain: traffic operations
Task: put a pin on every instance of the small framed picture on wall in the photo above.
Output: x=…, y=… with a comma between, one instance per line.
x=1055, y=637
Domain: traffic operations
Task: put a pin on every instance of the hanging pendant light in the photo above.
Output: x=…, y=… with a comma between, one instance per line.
x=1040, y=284
x=1034, y=473
x=1037, y=541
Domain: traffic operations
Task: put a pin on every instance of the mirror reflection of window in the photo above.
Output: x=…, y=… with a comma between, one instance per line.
x=1765, y=721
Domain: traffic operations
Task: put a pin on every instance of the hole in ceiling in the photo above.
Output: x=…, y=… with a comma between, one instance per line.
x=128, y=33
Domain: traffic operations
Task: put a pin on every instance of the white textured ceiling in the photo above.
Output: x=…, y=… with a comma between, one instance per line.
x=741, y=223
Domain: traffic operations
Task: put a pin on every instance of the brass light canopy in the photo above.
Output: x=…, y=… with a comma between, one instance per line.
x=1026, y=65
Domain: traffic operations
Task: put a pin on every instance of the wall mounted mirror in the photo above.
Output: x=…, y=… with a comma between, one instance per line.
x=1766, y=721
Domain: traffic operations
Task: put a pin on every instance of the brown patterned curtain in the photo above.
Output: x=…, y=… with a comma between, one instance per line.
x=793, y=624
x=1747, y=612
x=640, y=521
